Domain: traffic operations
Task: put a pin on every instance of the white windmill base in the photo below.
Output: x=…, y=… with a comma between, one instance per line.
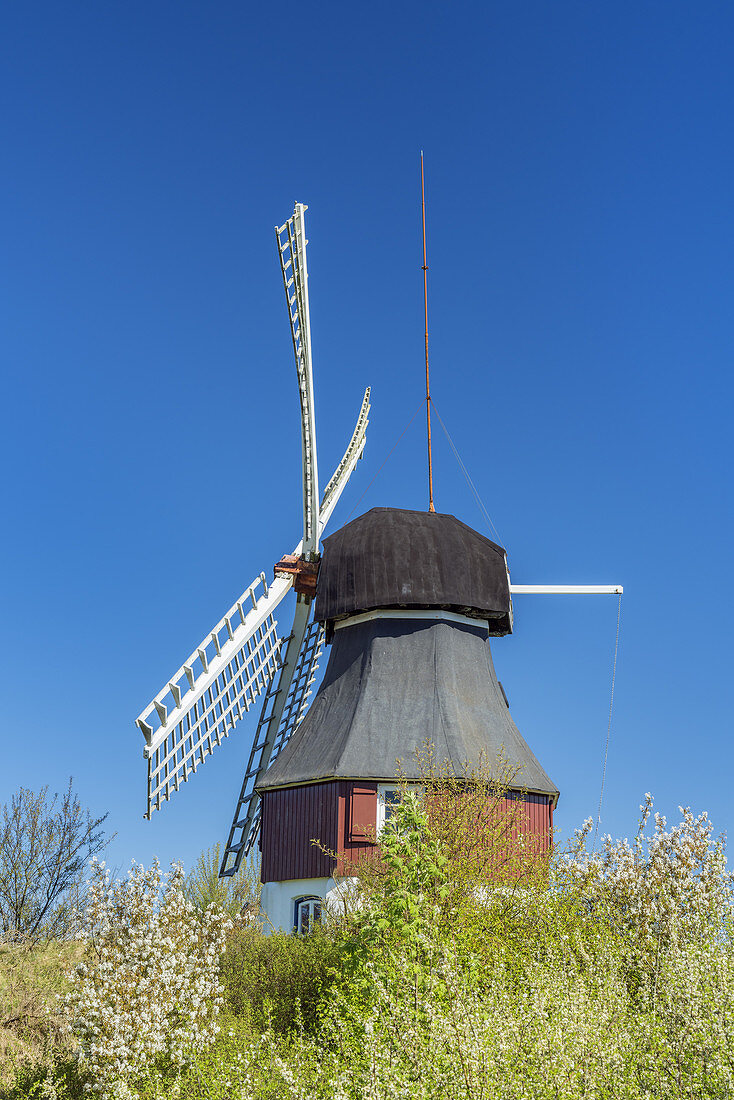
x=278, y=899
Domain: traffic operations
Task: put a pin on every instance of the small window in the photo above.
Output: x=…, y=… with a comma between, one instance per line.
x=392, y=798
x=307, y=914
x=388, y=798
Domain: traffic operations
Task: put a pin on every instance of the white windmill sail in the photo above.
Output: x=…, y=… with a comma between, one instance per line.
x=285, y=704
x=237, y=660
x=292, y=242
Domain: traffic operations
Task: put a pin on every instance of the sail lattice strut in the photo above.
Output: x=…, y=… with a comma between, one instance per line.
x=246, y=823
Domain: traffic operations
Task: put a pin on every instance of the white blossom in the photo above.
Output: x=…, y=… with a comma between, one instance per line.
x=150, y=987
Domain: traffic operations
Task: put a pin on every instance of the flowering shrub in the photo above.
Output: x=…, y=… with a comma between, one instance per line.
x=149, y=991
x=523, y=991
x=596, y=976
x=663, y=890
x=566, y=1032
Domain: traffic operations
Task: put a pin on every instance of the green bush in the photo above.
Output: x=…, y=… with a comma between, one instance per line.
x=279, y=980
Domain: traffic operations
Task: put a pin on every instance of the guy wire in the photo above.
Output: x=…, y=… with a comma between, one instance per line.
x=425, y=309
x=354, y=509
x=465, y=472
x=609, y=724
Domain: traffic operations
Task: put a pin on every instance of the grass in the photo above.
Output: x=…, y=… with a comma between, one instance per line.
x=31, y=977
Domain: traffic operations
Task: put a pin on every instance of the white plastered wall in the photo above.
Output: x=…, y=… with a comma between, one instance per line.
x=278, y=899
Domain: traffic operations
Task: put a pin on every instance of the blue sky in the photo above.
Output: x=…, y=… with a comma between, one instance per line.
x=580, y=222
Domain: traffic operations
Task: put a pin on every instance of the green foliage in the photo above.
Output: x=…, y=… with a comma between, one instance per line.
x=393, y=926
x=56, y=1079
x=237, y=895
x=279, y=981
x=542, y=985
x=225, y=1070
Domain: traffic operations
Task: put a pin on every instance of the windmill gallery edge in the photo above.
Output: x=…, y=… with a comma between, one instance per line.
x=407, y=602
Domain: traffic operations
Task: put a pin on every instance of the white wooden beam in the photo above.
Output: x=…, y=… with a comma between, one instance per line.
x=292, y=242
x=566, y=589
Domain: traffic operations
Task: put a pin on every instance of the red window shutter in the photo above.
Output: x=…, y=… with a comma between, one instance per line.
x=363, y=811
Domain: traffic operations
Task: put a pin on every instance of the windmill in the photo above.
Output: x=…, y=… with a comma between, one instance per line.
x=407, y=602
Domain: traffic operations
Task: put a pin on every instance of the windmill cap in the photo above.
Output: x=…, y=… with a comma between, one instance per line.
x=396, y=558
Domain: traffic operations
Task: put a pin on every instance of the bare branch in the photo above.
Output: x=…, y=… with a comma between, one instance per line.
x=45, y=845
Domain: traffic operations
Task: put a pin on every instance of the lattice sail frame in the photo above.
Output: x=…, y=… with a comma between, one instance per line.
x=211, y=691
x=291, y=239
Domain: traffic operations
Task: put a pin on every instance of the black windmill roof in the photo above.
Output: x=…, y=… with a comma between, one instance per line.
x=393, y=684
x=396, y=558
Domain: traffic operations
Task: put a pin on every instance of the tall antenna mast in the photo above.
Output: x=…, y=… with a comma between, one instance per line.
x=428, y=380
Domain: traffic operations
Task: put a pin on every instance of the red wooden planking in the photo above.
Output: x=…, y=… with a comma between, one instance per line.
x=292, y=817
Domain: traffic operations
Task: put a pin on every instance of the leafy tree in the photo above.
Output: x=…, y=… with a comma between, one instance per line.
x=45, y=845
x=237, y=894
x=394, y=924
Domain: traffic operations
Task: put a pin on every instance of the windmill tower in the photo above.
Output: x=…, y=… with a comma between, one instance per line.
x=407, y=602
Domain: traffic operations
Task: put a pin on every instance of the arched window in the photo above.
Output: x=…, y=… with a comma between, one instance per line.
x=307, y=913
